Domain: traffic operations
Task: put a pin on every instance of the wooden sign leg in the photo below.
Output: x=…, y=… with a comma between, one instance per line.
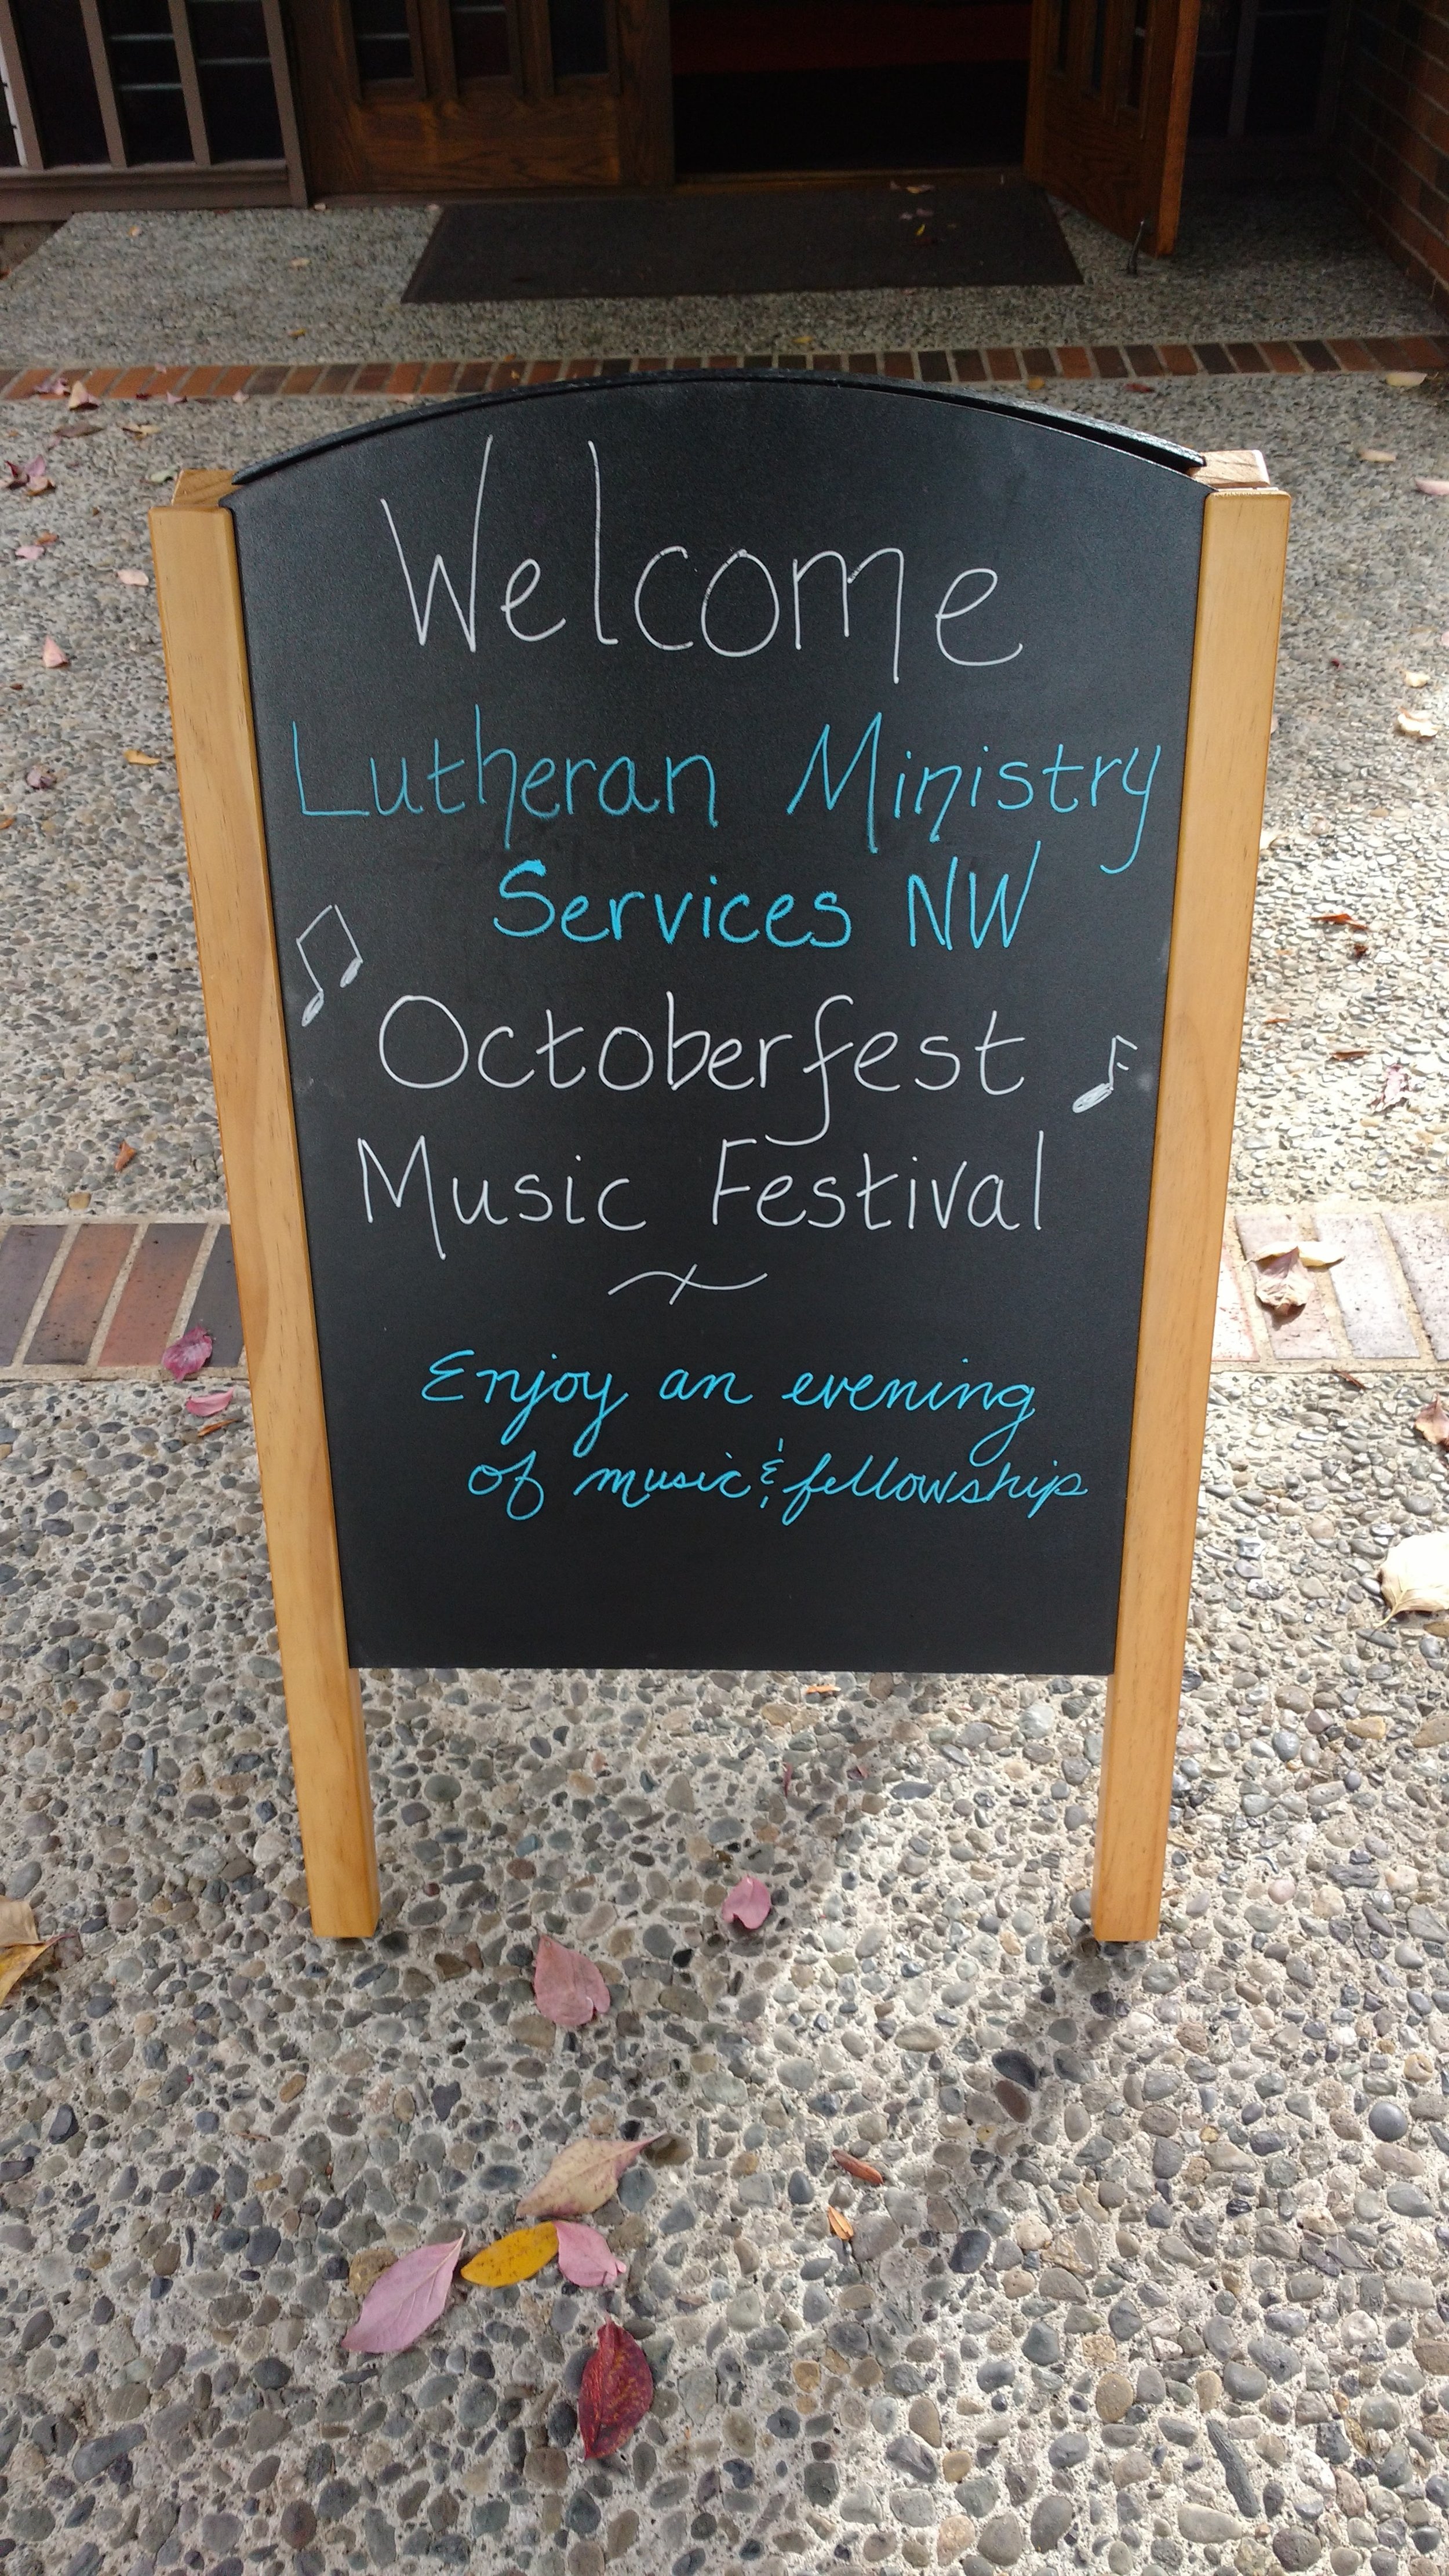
x=199, y=596
x=1240, y=590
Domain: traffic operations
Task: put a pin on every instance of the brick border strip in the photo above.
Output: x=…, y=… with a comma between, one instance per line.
x=1133, y=364
x=101, y=1297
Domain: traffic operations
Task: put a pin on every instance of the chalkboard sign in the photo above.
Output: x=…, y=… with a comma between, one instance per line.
x=722, y=854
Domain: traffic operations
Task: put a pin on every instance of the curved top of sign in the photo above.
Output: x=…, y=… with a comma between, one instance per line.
x=1102, y=433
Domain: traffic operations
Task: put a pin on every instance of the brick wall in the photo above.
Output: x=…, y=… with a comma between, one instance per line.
x=1392, y=141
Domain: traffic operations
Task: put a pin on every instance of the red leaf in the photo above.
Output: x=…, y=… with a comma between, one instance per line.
x=747, y=1903
x=188, y=1357
x=615, y=2393
x=567, y=1987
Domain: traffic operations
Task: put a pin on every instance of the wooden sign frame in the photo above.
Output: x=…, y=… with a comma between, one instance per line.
x=1240, y=583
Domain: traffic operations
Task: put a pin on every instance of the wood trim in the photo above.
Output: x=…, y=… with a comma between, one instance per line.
x=105, y=91
x=190, y=85
x=646, y=94
x=198, y=593
x=286, y=101
x=1164, y=225
x=31, y=159
x=1239, y=604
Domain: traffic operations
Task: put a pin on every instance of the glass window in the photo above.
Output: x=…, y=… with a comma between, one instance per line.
x=480, y=38
x=384, y=42
x=145, y=77
x=579, y=34
x=234, y=69
x=58, y=76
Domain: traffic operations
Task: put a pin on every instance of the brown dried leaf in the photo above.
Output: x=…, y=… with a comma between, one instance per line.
x=1282, y=1283
x=125, y=1155
x=17, y=1923
x=1432, y=1423
x=1341, y=919
x=838, y=2224
x=1415, y=1574
x=582, y=2177
x=856, y=2166
x=16, y=1961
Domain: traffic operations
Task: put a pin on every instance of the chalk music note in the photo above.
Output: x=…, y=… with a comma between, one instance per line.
x=1101, y=1091
x=348, y=972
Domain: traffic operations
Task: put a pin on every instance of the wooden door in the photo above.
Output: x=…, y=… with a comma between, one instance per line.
x=435, y=98
x=1107, y=109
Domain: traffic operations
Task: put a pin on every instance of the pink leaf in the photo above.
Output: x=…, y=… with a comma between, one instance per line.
x=1433, y=485
x=567, y=1987
x=584, y=2257
x=410, y=2296
x=81, y=398
x=747, y=1903
x=135, y=580
x=37, y=778
x=53, y=655
x=188, y=1357
x=213, y=1401
x=29, y=554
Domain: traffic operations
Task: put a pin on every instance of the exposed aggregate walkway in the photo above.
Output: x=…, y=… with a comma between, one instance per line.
x=1158, y=2275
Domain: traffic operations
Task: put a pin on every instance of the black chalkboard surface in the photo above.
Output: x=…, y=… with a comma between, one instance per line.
x=722, y=837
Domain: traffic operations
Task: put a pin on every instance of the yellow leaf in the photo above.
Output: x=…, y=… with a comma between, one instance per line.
x=515, y=2257
x=143, y=759
x=17, y=1960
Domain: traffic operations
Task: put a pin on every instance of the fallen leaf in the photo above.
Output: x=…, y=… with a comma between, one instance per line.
x=822, y=1690
x=38, y=482
x=29, y=554
x=125, y=1156
x=1349, y=1055
x=1281, y=1283
x=1432, y=1423
x=204, y=1406
x=54, y=384
x=135, y=580
x=856, y=2166
x=1405, y=380
x=1266, y=841
x=582, y=2177
x=53, y=655
x=1394, y=1087
x=1417, y=679
x=188, y=1356
x=17, y=1923
x=1346, y=1377
x=204, y=1430
x=585, y=2258
x=17, y=1960
x=567, y=1987
x=1319, y=1256
x=151, y=430
x=143, y=759
x=407, y=2298
x=1378, y=456
x=81, y=397
x=838, y=2224
x=615, y=2392
x=1418, y=728
x=515, y=2257
x=747, y=1903
x=1433, y=485
x=37, y=778
x=1415, y=1574
x=1346, y=920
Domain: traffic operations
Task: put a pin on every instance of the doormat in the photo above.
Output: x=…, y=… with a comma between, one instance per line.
x=732, y=241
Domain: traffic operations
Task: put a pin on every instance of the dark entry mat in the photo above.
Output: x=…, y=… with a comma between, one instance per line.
x=727, y=241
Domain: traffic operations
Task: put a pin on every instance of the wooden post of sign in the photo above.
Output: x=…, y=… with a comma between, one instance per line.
x=1235, y=650
x=199, y=596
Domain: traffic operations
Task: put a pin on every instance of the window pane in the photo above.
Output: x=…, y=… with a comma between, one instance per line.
x=234, y=68
x=384, y=46
x=146, y=80
x=579, y=35
x=480, y=38
x=61, y=84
